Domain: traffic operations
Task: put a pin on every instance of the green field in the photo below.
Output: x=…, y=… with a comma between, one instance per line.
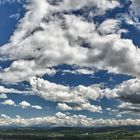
x=105, y=133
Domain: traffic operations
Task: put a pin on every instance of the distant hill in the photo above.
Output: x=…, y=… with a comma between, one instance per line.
x=71, y=133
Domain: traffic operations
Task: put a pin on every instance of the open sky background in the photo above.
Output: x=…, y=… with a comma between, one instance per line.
x=69, y=62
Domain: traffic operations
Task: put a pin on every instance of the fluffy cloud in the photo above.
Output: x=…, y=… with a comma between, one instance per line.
x=132, y=108
x=32, y=41
x=24, y=104
x=129, y=94
x=3, y=96
x=23, y=70
x=12, y=90
x=30, y=20
x=6, y=90
x=66, y=47
x=129, y=91
x=77, y=4
x=60, y=119
x=79, y=95
x=9, y=102
x=109, y=26
x=56, y=92
x=63, y=106
x=85, y=106
x=44, y=39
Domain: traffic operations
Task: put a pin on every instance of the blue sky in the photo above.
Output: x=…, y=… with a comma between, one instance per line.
x=64, y=61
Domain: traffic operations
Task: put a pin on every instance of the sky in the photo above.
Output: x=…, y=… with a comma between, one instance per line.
x=69, y=63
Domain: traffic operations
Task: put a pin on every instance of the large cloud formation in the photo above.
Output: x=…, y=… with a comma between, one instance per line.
x=51, y=35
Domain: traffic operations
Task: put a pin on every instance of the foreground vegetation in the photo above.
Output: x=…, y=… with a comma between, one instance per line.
x=105, y=133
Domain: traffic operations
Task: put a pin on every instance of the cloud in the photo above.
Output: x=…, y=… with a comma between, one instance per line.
x=85, y=106
x=24, y=104
x=136, y=6
x=50, y=35
x=36, y=107
x=9, y=102
x=15, y=16
x=30, y=20
x=11, y=1
x=22, y=70
x=5, y=116
x=84, y=71
x=80, y=70
x=53, y=92
x=6, y=90
x=3, y=96
x=129, y=94
x=63, y=106
x=61, y=119
x=66, y=45
x=12, y=90
x=56, y=92
x=68, y=5
x=130, y=107
x=109, y=26
x=79, y=95
x=129, y=91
